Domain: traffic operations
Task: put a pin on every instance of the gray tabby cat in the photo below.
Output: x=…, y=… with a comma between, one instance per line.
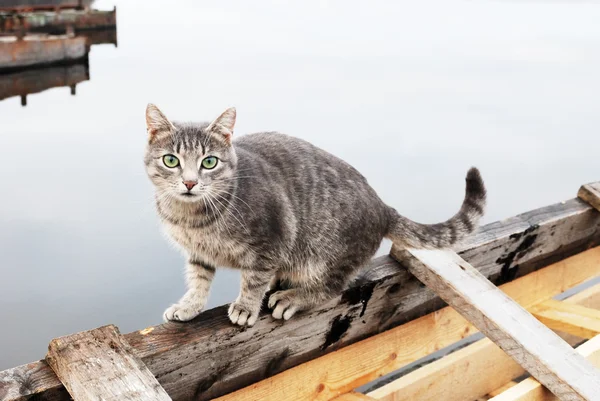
x=280, y=210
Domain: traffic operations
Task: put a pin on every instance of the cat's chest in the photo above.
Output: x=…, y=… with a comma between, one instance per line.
x=209, y=245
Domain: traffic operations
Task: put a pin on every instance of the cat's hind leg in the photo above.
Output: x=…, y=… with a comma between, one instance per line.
x=245, y=309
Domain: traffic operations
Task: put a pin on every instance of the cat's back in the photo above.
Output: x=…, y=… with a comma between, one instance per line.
x=269, y=143
x=292, y=155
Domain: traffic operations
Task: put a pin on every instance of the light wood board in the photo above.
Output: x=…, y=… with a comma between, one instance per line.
x=531, y=344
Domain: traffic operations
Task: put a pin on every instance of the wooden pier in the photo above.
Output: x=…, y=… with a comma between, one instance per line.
x=387, y=320
x=58, y=22
x=35, y=50
x=42, y=5
x=30, y=36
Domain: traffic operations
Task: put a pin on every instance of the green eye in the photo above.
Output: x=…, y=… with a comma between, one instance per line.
x=170, y=161
x=209, y=162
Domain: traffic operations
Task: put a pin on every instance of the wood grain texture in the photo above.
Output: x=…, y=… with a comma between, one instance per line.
x=531, y=390
x=591, y=194
x=362, y=362
x=466, y=374
x=531, y=344
x=573, y=319
x=208, y=357
x=458, y=377
x=99, y=365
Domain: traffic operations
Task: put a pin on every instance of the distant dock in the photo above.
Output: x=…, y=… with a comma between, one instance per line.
x=43, y=5
x=30, y=35
x=34, y=50
x=57, y=22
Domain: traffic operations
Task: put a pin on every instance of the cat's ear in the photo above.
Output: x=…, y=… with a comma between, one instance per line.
x=156, y=123
x=224, y=124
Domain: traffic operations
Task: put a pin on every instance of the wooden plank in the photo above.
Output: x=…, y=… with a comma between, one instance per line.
x=461, y=370
x=531, y=390
x=362, y=362
x=353, y=396
x=589, y=298
x=99, y=365
x=591, y=194
x=577, y=320
x=531, y=344
x=502, y=389
x=463, y=375
x=208, y=357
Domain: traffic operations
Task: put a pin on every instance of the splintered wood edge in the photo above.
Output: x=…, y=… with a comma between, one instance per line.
x=591, y=194
x=99, y=364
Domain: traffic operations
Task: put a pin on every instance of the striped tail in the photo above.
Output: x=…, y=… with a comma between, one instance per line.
x=407, y=233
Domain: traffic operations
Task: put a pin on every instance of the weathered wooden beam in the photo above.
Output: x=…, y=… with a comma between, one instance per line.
x=362, y=362
x=209, y=357
x=457, y=377
x=531, y=390
x=531, y=344
x=99, y=365
x=573, y=319
x=591, y=194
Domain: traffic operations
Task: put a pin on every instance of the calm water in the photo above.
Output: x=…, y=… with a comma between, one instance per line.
x=411, y=94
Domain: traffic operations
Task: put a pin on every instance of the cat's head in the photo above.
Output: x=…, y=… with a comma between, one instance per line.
x=190, y=162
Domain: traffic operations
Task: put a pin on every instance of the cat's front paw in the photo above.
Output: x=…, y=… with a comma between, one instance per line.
x=181, y=313
x=243, y=315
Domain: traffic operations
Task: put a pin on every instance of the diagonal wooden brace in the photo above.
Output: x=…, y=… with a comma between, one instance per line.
x=534, y=346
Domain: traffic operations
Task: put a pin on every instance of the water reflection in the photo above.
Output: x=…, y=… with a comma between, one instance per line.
x=24, y=83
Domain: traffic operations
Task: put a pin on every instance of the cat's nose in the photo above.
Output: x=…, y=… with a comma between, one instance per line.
x=190, y=184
